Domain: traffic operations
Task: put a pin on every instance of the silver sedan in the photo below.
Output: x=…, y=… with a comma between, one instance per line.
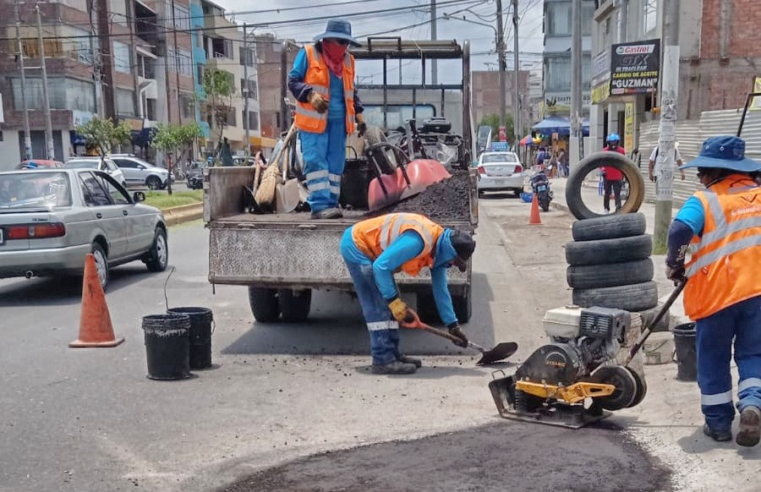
x=51, y=219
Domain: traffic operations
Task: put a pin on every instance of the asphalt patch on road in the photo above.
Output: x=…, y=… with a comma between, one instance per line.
x=494, y=458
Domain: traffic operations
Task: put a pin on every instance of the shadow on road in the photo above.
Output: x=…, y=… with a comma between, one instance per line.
x=498, y=196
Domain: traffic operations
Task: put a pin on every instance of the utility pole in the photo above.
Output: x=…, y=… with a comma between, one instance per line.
x=576, y=99
x=516, y=70
x=502, y=65
x=50, y=148
x=96, y=62
x=434, y=64
x=27, y=132
x=245, y=91
x=669, y=96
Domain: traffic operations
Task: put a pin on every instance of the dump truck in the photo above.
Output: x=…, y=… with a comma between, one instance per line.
x=282, y=258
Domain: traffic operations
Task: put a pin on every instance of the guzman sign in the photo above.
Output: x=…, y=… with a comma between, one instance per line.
x=635, y=67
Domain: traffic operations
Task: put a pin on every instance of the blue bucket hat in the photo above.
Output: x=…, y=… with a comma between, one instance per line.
x=338, y=29
x=724, y=152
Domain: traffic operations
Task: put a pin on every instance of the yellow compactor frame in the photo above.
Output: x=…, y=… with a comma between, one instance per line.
x=574, y=393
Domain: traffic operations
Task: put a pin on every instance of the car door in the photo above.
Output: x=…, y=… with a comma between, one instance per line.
x=130, y=170
x=108, y=215
x=113, y=170
x=135, y=222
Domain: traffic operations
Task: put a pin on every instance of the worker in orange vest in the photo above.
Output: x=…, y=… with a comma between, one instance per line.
x=376, y=248
x=327, y=109
x=723, y=291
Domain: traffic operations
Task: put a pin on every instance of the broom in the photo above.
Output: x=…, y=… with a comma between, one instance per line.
x=265, y=195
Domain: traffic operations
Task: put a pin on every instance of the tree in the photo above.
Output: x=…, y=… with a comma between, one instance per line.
x=492, y=120
x=219, y=87
x=169, y=138
x=104, y=135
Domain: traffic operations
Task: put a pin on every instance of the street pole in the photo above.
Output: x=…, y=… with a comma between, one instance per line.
x=516, y=73
x=434, y=64
x=50, y=148
x=669, y=96
x=576, y=99
x=245, y=91
x=502, y=64
x=27, y=132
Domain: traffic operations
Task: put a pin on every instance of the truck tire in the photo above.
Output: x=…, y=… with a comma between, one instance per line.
x=295, y=304
x=589, y=164
x=609, y=227
x=386, y=159
x=426, y=308
x=634, y=297
x=264, y=304
x=607, y=251
x=463, y=307
x=613, y=275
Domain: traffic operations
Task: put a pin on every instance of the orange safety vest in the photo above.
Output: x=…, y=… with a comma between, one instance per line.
x=373, y=236
x=318, y=77
x=722, y=269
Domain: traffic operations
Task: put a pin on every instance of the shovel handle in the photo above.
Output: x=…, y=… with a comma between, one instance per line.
x=419, y=325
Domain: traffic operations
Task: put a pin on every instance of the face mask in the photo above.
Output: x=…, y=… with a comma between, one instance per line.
x=334, y=56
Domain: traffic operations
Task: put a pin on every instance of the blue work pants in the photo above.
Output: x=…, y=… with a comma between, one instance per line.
x=741, y=323
x=324, y=160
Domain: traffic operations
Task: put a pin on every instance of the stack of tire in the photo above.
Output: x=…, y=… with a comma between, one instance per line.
x=610, y=265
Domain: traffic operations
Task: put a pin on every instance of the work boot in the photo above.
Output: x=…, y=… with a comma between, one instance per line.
x=750, y=427
x=411, y=360
x=718, y=436
x=328, y=213
x=395, y=367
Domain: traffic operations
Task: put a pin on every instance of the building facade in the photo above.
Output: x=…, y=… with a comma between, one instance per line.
x=485, y=88
x=269, y=50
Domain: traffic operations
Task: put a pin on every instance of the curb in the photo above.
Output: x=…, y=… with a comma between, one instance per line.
x=183, y=213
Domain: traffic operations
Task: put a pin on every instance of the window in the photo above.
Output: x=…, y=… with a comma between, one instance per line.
x=253, y=119
x=397, y=114
x=180, y=61
x=181, y=17
x=95, y=195
x=228, y=118
x=247, y=57
x=587, y=18
x=221, y=48
x=125, y=102
x=63, y=94
x=557, y=73
x=80, y=48
x=200, y=69
x=126, y=163
x=559, y=19
x=117, y=195
x=122, y=57
x=649, y=15
x=187, y=103
x=250, y=86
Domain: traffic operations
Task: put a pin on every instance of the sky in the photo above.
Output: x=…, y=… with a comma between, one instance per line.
x=410, y=24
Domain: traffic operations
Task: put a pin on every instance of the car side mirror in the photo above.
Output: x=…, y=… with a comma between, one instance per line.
x=138, y=197
x=141, y=167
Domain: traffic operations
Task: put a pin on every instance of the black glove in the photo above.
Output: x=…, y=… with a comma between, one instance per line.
x=361, y=125
x=454, y=329
x=676, y=273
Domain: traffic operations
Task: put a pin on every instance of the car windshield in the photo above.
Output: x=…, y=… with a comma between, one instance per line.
x=34, y=190
x=81, y=164
x=492, y=158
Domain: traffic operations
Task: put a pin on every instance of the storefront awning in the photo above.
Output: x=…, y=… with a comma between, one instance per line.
x=559, y=125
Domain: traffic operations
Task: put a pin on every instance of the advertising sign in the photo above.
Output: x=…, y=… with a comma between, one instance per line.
x=601, y=77
x=629, y=127
x=502, y=134
x=635, y=67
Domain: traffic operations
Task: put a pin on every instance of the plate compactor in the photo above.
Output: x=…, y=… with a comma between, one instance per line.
x=572, y=381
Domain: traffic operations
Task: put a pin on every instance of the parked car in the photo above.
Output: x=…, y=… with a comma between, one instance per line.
x=99, y=163
x=500, y=171
x=138, y=172
x=51, y=219
x=38, y=163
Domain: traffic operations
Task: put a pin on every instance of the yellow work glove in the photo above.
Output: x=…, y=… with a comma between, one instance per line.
x=400, y=311
x=361, y=125
x=320, y=103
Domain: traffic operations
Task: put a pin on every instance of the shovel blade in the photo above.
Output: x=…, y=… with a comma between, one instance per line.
x=498, y=353
x=287, y=196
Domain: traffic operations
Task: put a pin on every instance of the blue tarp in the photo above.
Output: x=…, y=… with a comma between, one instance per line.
x=560, y=125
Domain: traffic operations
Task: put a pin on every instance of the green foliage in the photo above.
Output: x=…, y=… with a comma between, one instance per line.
x=219, y=86
x=492, y=120
x=167, y=138
x=103, y=135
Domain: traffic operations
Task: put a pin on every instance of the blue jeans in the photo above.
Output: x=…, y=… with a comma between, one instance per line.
x=383, y=328
x=324, y=160
x=715, y=334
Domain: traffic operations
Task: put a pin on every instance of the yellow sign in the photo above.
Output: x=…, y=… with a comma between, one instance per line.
x=629, y=127
x=600, y=93
x=756, y=103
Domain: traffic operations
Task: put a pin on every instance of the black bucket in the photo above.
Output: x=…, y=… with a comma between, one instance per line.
x=200, y=335
x=356, y=179
x=167, y=346
x=686, y=352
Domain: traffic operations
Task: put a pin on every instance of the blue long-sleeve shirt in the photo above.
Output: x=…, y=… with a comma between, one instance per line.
x=689, y=222
x=301, y=90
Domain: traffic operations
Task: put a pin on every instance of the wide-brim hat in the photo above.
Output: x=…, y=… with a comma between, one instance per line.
x=338, y=29
x=724, y=152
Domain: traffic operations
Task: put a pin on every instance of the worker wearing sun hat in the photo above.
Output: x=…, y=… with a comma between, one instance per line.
x=327, y=109
x=723, y=291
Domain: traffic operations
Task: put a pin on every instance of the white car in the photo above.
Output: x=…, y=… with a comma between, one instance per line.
x=138, y=172
x=500, y=171
x=99, y=163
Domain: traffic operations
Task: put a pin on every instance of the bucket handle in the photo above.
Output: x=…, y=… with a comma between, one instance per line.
x=213, y=326
x=166, y=298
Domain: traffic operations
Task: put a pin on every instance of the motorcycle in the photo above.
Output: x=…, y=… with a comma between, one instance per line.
x=195, y=176
x=540, y=185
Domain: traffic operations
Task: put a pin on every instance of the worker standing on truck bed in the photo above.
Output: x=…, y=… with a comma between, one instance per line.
x=327, y=108
x=376, y=248
x=723, y=293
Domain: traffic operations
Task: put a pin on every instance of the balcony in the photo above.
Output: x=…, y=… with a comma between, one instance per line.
x=146, y=22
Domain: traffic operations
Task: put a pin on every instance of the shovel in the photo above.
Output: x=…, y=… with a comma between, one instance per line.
x=501, y=352
x=287, y=193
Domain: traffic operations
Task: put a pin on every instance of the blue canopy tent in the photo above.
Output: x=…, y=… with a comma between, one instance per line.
x=560, y=125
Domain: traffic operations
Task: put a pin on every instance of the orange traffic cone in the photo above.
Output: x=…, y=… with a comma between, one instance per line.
x=95, y=328
x=534, y=217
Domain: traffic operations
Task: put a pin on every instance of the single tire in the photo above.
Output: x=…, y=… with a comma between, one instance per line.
x=387, y=159
x=649, y=315
x=589, y=164
x=634, y=297
x=607, y=251
x=625, y=384
x=101, y=264
x=294, y=304
x=641, y=388
x=153, y=183
x=609, y=227
x=426, y=308
x=545, y=204
x=264, y=304
x=158, y=256
x=463, y=307
x=612, y=275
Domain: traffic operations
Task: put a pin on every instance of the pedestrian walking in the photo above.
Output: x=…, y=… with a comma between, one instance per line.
x=563, y=163
x=373, y=250
x=327, y=109
x=652, y=171
x=613, y=178
x=723, y=291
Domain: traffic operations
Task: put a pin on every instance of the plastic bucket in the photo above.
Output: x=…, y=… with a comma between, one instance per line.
x=167, y=346
x=354, y=184
x=659, y=348
x=527, y=197
x=686, y=352
x=201, y=320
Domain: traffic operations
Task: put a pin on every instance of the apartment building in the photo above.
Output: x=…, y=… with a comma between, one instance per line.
x=270, y=52
x=486, y=94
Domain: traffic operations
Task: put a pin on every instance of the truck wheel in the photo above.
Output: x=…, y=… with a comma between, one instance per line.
x=463, y=307
x=264, y=304
x=295, y=304
x=426, y=308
